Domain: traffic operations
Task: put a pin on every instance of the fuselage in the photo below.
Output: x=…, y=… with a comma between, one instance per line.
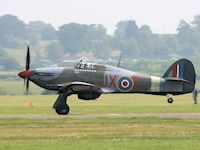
x=109, y=78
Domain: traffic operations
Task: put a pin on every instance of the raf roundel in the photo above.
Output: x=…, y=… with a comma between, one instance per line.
x=125, y=84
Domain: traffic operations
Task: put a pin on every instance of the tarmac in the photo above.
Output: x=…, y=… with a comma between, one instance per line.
x=90, y=116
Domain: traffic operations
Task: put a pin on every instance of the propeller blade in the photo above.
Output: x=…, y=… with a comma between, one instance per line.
x=24, y=82
x=28, y=59
x=27, y=86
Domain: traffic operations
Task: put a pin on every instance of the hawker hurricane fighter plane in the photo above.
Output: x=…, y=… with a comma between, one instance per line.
x=90, y=80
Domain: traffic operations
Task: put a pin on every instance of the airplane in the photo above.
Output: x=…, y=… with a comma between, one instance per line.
x=90, y=80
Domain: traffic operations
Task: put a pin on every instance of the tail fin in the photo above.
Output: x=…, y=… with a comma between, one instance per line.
x=183, y=69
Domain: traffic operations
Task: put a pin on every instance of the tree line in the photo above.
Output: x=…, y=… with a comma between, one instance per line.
x=132, y=41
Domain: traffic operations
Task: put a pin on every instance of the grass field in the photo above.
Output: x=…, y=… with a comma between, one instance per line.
x=17, y=87
x=101, y=133
x=134, y=103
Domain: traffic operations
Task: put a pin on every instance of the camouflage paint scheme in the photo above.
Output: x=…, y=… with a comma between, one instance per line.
x=89, y=81
x=110, y=79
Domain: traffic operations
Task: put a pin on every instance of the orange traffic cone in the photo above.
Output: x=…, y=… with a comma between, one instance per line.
x=29, y=104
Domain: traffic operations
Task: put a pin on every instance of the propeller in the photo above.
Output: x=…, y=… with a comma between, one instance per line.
x=27, y=69
x=26, y=73
x=28, y=59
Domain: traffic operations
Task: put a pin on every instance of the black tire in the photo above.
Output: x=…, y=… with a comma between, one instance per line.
x=170, y=100
x=63, y=111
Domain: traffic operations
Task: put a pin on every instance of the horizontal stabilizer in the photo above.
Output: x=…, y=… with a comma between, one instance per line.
x=176, y=79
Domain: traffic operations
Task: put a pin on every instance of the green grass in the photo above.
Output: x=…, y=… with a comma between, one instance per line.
x=18, y=88
x=120, y=103
x=100, y=134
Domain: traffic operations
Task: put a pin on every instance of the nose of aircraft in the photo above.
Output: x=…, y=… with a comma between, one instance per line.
x=24, y=74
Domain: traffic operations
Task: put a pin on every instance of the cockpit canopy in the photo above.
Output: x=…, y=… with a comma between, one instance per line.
x=85, y=65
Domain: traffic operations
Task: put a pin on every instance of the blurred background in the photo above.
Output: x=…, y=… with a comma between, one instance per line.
x=147, y=48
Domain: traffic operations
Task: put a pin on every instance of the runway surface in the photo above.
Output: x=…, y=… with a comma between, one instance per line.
x=87, y=116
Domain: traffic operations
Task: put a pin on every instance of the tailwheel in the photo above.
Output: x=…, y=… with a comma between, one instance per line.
x=170, y=100
x=63, y=111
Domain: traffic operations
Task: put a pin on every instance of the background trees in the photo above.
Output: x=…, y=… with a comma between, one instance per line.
x=54, y=52
x=38, y=30
x=78, y=37
x=133, y=41
x=12, y=30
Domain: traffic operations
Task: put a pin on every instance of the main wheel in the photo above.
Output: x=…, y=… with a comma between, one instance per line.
x=63, y=111
x=170, y=100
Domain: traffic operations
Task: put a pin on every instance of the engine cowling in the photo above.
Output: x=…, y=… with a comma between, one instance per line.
x=88, y=95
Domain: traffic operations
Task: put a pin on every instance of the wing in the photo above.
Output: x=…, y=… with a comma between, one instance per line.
x=77, y=87
x=84, y=90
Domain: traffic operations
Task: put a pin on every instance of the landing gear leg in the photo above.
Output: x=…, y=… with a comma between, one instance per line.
x=60, y=105
x=169, y=98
